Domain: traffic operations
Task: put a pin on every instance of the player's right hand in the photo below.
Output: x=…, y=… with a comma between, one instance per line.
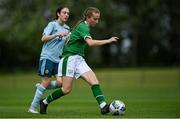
x=62, y=34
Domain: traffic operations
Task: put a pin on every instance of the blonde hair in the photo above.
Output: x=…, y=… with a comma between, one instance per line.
x=89, y=11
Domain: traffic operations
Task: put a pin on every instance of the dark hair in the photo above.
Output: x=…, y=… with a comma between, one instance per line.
x=59, y=10
x=88, y=12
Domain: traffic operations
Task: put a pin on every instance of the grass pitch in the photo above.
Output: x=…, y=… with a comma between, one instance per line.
x=147, y=93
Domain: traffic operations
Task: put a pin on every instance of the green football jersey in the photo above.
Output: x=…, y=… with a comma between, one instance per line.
x=77, y=43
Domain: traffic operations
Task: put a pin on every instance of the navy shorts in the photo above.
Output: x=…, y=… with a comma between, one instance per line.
x=47, y=68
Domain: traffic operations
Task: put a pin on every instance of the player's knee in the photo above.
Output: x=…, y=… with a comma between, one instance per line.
x=66, y=90
x=59, y=79
x=94, y=82
x=46, y=81
x=59, y=83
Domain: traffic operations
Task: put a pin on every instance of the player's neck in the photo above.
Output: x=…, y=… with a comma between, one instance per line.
x=60, y=22
x=86, y=23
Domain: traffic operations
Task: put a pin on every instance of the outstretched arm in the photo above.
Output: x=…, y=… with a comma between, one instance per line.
x=92, y=42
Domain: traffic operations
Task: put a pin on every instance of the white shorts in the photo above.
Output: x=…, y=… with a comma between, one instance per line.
x=73, y=66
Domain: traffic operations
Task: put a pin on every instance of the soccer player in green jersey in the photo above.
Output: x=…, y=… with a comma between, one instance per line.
x=73, y=65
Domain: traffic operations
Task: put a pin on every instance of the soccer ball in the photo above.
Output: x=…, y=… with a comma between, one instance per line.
x=117, y=107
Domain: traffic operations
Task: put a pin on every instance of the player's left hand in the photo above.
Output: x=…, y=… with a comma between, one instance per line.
x=114, y=39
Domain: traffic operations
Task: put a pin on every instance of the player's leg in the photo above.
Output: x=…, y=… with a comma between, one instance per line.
x=91, y=79
x=89, y=76
x=40, y=90
x=67, y=81
x=45, y=70
x=55, y=83
x=59, y=92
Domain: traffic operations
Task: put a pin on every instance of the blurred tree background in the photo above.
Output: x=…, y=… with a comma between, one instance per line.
x=149, y=31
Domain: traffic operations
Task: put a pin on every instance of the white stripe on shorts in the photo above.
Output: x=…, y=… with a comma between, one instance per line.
x=43, y=66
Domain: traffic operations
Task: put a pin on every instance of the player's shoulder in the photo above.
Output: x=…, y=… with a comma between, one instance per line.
x=53, y=22
x=83, y=26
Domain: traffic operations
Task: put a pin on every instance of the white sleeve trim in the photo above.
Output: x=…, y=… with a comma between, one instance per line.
x=87, y=37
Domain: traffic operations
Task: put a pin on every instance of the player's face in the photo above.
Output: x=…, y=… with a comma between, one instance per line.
x=94, y=19
x=64, y=15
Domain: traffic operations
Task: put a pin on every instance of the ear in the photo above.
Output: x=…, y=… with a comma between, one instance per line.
x=58, y=14
x=87, y=18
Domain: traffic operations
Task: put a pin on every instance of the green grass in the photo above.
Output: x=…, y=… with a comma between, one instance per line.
x=147, y=93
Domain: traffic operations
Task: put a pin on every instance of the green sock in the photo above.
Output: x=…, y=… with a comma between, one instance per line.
x=98, y=93
x=55, y=95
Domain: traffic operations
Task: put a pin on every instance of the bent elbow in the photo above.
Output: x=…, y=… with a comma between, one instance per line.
x=90, y=44
x=43, y=39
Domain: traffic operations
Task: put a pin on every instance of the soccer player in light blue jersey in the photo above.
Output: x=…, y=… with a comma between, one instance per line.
x=54, y=38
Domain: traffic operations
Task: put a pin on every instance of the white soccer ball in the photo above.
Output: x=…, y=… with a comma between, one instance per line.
x=117, y=107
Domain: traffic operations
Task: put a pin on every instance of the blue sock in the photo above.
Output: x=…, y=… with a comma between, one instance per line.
x=38, y=94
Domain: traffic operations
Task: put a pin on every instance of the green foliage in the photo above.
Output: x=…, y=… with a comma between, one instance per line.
x=153, y=26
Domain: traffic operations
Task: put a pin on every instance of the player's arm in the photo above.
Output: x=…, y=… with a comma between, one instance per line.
x=50, y=37
x=47, y=34
x=92, y=42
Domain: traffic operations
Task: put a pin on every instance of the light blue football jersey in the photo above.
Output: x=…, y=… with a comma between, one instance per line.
x=53, y=49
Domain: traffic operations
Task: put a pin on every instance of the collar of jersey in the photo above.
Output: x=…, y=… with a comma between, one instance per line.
x=59, y=22
x=86, y=23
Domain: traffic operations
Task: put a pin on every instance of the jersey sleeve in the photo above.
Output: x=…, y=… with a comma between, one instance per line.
x=84, y=32
x=48, y=29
